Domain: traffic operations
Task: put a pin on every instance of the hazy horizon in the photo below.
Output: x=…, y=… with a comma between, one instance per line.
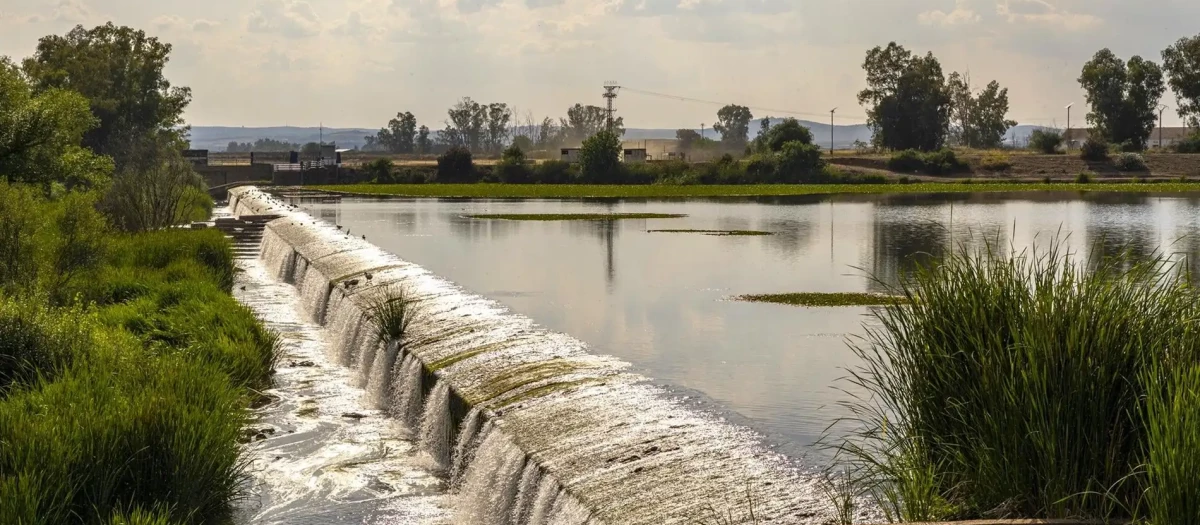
x=355, y=63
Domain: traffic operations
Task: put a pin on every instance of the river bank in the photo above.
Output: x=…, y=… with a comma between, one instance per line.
x=558, y=191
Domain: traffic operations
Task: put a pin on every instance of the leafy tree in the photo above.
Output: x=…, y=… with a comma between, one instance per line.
x=464, y=127
x=456, y=165
x=155, y=188
x=1123, y=97
x=40, y=135
x=1182, y=62
x=733, y=123
x=523, y=143
x=790, y=130
x=380, y=171
x=400, y=134
x=310, y=149
x=585, y=121
x=978, y=119
x=424, y=143
x=120, y=72
x=548, y=134
x=908, y=102
x=764, y=126
x=600, y=157
x=498, y=117
x=687, y=138
x=799, y=162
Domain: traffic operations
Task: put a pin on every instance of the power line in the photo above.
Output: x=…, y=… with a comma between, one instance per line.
x=703, y=101
x=786, y=111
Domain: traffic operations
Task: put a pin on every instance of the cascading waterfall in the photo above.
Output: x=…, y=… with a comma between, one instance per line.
x=492, y=480
x=379, y=380
x=527, y=492
x=406, y=395
x=554, y=434
x=435, y=425
x=464, y=447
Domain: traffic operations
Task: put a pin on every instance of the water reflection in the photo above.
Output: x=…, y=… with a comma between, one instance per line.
x=667, y=314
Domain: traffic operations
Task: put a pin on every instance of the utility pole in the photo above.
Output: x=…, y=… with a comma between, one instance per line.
x=831, y=112
x=610, y=92
x=1161, y=109
x=1068, y=137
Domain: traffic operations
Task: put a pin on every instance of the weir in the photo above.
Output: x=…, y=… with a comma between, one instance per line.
x=526, y=424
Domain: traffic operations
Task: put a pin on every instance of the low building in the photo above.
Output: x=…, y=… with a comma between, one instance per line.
x=634, y=156
x=570, y=154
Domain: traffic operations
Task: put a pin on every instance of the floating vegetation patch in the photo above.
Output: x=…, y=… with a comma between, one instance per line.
x=718, y=233
x=815, y=299
x=574, y=216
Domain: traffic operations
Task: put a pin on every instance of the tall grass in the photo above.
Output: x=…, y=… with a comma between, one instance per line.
x=391, y=312
x=125, y=372
x=1016, y=385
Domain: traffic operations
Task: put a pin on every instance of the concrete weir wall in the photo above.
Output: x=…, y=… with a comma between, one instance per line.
x=527, y=425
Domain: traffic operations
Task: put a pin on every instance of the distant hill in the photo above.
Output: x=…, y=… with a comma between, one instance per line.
x=215, y=138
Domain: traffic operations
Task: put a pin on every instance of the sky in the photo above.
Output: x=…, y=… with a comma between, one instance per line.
x=356, y=63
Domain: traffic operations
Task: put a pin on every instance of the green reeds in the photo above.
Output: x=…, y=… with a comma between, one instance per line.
x=392, y=312
x=1017, y=386
x=126, y=405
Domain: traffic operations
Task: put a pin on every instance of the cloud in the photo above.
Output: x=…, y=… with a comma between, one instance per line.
x=201, y=25
x=1042, y=12
x=290, y=18
x=961, y=15
x=73, y=11
x=538, y=4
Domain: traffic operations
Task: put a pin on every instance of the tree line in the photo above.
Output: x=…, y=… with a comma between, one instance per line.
x=913, y=105
x=91, y=110
x=489, y=128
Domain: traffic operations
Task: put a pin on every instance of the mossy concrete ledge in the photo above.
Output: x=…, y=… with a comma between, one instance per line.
x=624, y=450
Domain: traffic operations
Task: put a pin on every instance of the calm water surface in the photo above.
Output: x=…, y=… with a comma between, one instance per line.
x=660, y=300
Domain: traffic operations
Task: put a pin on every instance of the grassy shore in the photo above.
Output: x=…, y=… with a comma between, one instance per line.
x=1032, y=385
x=573, y=216
x=814, y=299
x=126, y=369
x=763, y=190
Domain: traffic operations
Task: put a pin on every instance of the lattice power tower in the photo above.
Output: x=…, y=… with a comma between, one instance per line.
x=610, y=92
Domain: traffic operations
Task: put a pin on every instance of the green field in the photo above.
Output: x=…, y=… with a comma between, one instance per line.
x=573, y=216
x=814, y=299
x=717, y=233
x=765, y=190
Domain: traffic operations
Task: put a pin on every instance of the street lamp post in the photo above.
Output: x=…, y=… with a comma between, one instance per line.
x=1161, y=109
x=1068, y=137
x=831, y=112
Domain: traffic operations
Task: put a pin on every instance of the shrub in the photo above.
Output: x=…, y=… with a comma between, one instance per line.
x=512, y=168
x=1028, y=382
x=907, y=161
x=799, y=162
x=379, y=171
x=600, y=158
x=1130, y=162
x=456, y=165
x=760, y=168
x=790, y=130
x=1094, y=149
x=1130, y=146
x=1188, y=144
x=943, y=162
x=554, y=172
x=1045, y=141
x=1084, y=177
x=995, y=162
